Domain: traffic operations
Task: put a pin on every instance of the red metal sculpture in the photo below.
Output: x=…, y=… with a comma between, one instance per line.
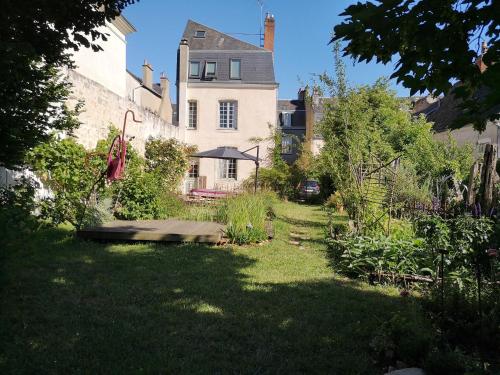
x=118, y=152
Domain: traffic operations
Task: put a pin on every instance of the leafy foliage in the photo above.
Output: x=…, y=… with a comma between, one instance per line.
x=16, y=206
x=358, y=256
x=436, y=42
x=138, y=196
x=69, y=171
x=80, y=195
x=36, y=40
x=169, y=160
x=369, y=126
x=245, y=216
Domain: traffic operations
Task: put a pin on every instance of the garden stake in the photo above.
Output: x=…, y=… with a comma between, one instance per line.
x=442, y=281
x=478, y=277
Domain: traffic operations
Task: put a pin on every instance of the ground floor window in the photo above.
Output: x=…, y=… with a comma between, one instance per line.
x=227, y=169
x=286, y=144
x=194, y=169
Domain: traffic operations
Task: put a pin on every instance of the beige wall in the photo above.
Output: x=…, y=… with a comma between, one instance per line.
x=256, y=118
x=467, y=135
x=107, y=67
x=104, y=108
x=142, y=96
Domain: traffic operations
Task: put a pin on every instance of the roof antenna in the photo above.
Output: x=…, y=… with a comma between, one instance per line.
x=261, y=33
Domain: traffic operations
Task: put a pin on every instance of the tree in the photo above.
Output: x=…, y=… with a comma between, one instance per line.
x=436, y=42
x=367, y=127
x=36, y=41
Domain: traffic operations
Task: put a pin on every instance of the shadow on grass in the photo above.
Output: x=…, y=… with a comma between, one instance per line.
x=302, y=222
x=74, y=306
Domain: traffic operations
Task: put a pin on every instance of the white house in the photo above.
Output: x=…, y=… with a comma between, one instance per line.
x=226, y=96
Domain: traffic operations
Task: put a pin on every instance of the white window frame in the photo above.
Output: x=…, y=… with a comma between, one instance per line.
x=231, y=75
x=190, y=70
x=194, y=169
x=228, y=114
x=287, y=119
x=192, y=115
x=200, y=34
x=286, y=144
x=228, y=169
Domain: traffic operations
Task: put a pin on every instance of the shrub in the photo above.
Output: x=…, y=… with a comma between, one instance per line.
x=70, y=172
x=335, y=202
x=139, y=196
x=402, y=338
x=245, y=216
x=277, y=180
x=359, y=255
x=17, y=204
x=169, y=160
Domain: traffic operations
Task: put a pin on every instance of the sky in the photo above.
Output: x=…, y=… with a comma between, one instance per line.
x=303, y=30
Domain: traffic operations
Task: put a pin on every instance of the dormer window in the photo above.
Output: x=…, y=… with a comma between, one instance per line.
x=194, y=69
x=210, y=69
x=199, y=34
x=235, y=69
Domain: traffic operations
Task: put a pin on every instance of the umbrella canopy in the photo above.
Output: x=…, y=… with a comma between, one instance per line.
x=225, y=153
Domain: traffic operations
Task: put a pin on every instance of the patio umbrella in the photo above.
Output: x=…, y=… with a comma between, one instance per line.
x=231, y=153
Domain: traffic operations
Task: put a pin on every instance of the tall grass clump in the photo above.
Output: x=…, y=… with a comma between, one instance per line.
x=245, y=216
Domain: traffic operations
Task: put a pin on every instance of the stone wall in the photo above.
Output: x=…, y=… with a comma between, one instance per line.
x=103, y=108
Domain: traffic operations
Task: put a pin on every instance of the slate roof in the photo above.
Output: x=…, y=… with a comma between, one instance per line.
x=445, y=111
x=291, y=105
x=156, y=86
x=214, y=40
x=257, y=64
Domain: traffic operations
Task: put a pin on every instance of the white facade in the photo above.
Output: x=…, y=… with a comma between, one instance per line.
x=255, y=119
x=222, y=107
x=107, y=67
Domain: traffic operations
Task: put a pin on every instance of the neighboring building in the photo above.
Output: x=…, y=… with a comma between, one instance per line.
x=444, y=111
x=108, y=66
x=108, y=90
x=291, y=117
x=152, y=96
x=298, y=121
x=226, y=96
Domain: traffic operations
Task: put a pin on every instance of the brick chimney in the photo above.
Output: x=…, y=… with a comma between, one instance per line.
x=147, y=75
x=269, y=32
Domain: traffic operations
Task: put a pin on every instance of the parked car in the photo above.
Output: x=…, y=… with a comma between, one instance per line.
x=309, y=189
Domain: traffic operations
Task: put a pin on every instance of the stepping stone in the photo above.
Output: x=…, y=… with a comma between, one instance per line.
x=296, y=243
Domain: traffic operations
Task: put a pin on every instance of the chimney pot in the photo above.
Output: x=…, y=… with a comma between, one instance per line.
x=147, y=75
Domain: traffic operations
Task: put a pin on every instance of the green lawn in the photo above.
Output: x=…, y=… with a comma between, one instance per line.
x=69, y=306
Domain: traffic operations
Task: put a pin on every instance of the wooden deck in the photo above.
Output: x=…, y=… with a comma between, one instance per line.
x=156, y=230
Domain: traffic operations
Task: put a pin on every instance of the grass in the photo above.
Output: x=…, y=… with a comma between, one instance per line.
x=70, y=306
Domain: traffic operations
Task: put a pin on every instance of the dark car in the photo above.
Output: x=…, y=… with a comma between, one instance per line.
x=309, y=189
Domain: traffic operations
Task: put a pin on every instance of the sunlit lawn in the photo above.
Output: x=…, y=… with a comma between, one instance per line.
x=71, y=306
